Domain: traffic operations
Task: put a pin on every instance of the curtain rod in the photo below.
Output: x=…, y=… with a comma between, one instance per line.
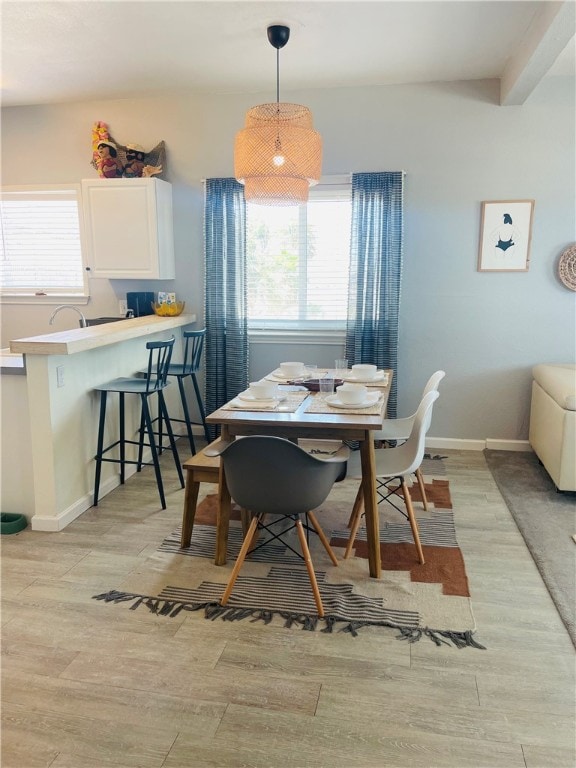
x=340, y=175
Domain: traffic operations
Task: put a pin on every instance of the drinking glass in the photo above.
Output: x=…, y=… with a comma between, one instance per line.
x=341, y=367
x=326, y=386
x=311, y=370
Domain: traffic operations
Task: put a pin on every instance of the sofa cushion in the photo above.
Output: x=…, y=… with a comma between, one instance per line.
x=559, y=381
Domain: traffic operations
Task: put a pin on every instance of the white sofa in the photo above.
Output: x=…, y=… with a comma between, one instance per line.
x=553, y=422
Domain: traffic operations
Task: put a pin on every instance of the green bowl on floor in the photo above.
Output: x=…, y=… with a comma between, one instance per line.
x=12, y=523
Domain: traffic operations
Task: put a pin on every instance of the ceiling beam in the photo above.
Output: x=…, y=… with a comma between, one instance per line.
x=552, y=27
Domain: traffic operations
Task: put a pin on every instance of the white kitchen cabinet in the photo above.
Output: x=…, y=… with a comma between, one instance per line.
x=128, y=228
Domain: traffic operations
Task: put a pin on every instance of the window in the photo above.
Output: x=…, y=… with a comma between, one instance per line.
x=298, y=261
x=40, y=242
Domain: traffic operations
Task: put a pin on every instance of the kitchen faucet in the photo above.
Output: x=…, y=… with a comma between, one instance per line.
x=83, y=322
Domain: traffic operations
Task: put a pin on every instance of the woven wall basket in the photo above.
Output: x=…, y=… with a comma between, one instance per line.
x=567, y=267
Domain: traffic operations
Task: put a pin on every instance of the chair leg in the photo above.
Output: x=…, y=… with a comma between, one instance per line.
x=141, y=433
x=186, y=414
x=160, y=427
x=240, y=559
x=412, y=519
x=122, y=439
x=358, y=501
x=200, y=407
x=153, y=449
x=356, y=517
x=100, y=445
x=322, y=537
x=309, y=567
x=164, y=413
x=422, y=487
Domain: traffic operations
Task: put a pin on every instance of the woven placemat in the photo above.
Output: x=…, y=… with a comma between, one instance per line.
x=379, y=382
x=567, y=267
x=290, y=404
x=318, y=405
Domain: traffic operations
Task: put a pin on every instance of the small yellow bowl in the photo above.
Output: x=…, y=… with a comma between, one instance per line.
x=169, y=310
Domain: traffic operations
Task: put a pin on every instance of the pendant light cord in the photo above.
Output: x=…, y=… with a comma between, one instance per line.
x=277, y=75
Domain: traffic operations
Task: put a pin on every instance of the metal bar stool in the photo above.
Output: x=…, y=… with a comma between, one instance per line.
x=155, y=382
x=193, y=347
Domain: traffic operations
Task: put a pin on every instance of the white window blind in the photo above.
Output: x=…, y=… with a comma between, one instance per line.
x=40, y=242
x=298, y=261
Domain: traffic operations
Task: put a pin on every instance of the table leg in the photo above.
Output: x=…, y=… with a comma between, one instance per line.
x=222, y=518
x=371, y=504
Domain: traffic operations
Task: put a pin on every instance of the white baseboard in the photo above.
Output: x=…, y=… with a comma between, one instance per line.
x=62, y=519
x=455, y=443
x=458, y=444
x=59, y=522
x=508, y=445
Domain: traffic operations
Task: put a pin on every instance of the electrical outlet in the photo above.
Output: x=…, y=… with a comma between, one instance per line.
x=59, y=375
x=123, y=308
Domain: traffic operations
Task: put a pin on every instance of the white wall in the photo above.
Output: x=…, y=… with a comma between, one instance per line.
x=458, y=147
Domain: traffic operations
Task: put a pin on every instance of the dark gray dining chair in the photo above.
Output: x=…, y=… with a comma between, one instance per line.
x=272, y=476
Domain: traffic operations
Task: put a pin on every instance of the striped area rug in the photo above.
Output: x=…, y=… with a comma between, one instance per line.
x=430, y=600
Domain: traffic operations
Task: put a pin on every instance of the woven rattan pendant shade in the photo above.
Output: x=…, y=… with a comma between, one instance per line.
x=272, y=130
x=278, y=154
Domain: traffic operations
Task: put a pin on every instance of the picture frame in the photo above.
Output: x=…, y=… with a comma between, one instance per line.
x=505, y=235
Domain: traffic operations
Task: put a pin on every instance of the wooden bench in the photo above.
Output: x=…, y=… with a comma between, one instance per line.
x=203, y=468
x=199, y=468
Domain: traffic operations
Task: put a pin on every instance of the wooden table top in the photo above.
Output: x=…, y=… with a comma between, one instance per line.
x=237, y=419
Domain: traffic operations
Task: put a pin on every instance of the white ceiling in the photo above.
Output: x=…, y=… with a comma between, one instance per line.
x=77, y=51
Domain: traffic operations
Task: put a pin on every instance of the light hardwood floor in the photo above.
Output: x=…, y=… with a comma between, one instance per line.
x=88, y=685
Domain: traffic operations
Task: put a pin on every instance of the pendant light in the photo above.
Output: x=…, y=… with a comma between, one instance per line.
x=278, y=154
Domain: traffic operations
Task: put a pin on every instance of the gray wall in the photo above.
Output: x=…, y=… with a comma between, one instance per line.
x=457, y=146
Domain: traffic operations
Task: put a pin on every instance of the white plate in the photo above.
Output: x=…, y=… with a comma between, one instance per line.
x=380, y=376
x=262, y=400
x=277, y=374
x=371, y=399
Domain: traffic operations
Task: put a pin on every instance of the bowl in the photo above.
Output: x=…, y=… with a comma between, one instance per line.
x=168, y=310
x=263, y=390
x=12, y=523
x=290, y=370
x=352, y=394
x=365, y=371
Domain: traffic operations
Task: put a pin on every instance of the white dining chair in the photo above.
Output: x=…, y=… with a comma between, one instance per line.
x=399, y=429
x=395, y=464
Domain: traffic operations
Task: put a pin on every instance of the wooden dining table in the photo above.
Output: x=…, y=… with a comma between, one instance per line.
x=336, y=425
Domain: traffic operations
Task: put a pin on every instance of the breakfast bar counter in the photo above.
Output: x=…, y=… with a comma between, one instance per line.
x=86, y=339
x=48, y=464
